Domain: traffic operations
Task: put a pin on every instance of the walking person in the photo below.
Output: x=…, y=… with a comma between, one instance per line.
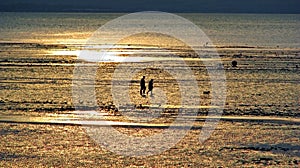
x=150, y=87
x=143, y=86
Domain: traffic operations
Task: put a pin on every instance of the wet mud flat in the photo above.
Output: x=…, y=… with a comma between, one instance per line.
x=265, y=81
x=232, y=144
x=264, y=84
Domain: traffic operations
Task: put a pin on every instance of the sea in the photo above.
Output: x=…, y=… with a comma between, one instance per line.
x=39, y=52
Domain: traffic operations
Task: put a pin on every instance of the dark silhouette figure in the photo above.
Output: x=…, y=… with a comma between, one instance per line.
x=150, y=87
x=234, y=63
x=143, y=86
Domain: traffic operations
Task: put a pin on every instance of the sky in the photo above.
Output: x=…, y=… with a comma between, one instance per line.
x=198, y=6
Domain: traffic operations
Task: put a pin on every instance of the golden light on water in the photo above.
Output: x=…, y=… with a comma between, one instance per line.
x=141, y=47
x=136, y=48
x=64, y=52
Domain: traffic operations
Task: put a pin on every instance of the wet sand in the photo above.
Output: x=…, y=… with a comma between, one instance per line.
x=263, y=90
x=233, y=144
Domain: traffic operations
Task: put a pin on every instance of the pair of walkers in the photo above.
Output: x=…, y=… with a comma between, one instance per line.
x=143, y=86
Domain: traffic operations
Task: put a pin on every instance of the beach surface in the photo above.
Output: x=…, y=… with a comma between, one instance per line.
x=234, y=143
x=44, y=124
x=40, y=127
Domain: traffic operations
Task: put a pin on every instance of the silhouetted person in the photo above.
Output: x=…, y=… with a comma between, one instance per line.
x=143, y=86
x=150, y=87
x=234, y=63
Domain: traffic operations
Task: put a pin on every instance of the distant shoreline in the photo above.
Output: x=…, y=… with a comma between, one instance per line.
x=176, y=12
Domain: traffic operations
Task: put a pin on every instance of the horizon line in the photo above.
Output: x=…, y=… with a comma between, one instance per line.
x=135, y=11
